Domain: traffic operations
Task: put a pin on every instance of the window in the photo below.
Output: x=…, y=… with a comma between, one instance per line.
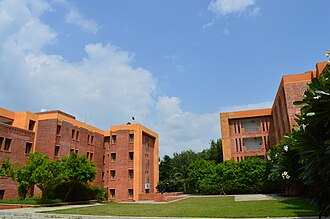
x=58, y=129
x=113, y=156
x=112, y=174
x=131, y=174
x=57, y=149
x=91, y=158
x=112, y=193
x=71, y=151
x=103, y=159
x=28, y=147
x=114, y=139
x=88, y=139
x=7, y=144
x=31, y=125
x=77, y=135
x=131, y=138
x=77, y=151
x=2, y=194
x=130, y=156
x=130, y=193
x=102, y=176
x=147, y=146
x=251, y=125
x=1, y=141
x=87, y=155
x=252, y=144
x=92, y=139
x=6, y=121
x=106, y=141
x=73, y=133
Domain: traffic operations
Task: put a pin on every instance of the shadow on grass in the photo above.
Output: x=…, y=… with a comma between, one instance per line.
x=296, y=205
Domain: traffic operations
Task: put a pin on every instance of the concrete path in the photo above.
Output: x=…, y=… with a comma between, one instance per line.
x=259, y=197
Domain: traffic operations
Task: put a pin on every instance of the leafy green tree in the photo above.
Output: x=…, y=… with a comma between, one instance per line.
x=78, y=169
x=7, y=169
x=203, y=175
x=286, y=171
x=313, y=140
x=48, y=176
x=214, y=152
x=27, y=176
x=165, y=168
x=181, y=163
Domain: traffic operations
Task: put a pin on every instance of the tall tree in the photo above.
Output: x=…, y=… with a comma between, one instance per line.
x=27, y=176
x=313, y=140
x=214, y=152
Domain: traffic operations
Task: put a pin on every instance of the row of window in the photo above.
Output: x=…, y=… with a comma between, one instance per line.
x=250, y=125
x=90, y=138
x=251, y=144
x=113, y=175
x=113, y=156
x=113, y=193
x=114, y=139
x=5, y=144
x=89, y=155
x=75, y=134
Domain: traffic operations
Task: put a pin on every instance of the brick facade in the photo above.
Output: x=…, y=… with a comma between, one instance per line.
x=58, y=134
x=274, y=123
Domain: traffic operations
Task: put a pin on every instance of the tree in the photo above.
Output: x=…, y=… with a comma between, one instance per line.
x=48, y=176
x=214, y=152
x=203, y=175
x=78, y=169
x=165, y=168
x=312, y=137
x=181, y=163
x=7, y=169
x=286, y=171
x=27, y=176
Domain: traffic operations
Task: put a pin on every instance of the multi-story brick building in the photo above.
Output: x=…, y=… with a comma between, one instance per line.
x=254, y=132
x=126, y=156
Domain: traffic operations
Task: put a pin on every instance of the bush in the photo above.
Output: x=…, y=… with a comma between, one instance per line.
x=79, y=191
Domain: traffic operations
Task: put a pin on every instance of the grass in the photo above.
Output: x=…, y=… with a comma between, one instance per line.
x=211, y=207
x=30, y=201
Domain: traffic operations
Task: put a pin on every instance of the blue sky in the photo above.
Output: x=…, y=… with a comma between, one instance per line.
x=173, y=65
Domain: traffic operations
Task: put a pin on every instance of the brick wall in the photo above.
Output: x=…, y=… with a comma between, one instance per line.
x=19, y=138
x=238, y=134
x=121, y=183
x=294, y=92
x=148, y=143
x=9, y=187
x=71, y=139
x=283, y=109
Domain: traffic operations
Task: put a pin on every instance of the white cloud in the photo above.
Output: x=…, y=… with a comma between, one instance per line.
x=226, y=7
x=74, y=17
x=209, y=24
x=184, y=130
x=103, y=87
x=251, y=106
x=103, y=84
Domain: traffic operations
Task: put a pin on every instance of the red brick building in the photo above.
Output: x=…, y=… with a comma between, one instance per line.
x=126, y=156
x=254, y=132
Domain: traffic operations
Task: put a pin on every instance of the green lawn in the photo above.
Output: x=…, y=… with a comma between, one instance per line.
x=202, y=207
x=29, y=201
